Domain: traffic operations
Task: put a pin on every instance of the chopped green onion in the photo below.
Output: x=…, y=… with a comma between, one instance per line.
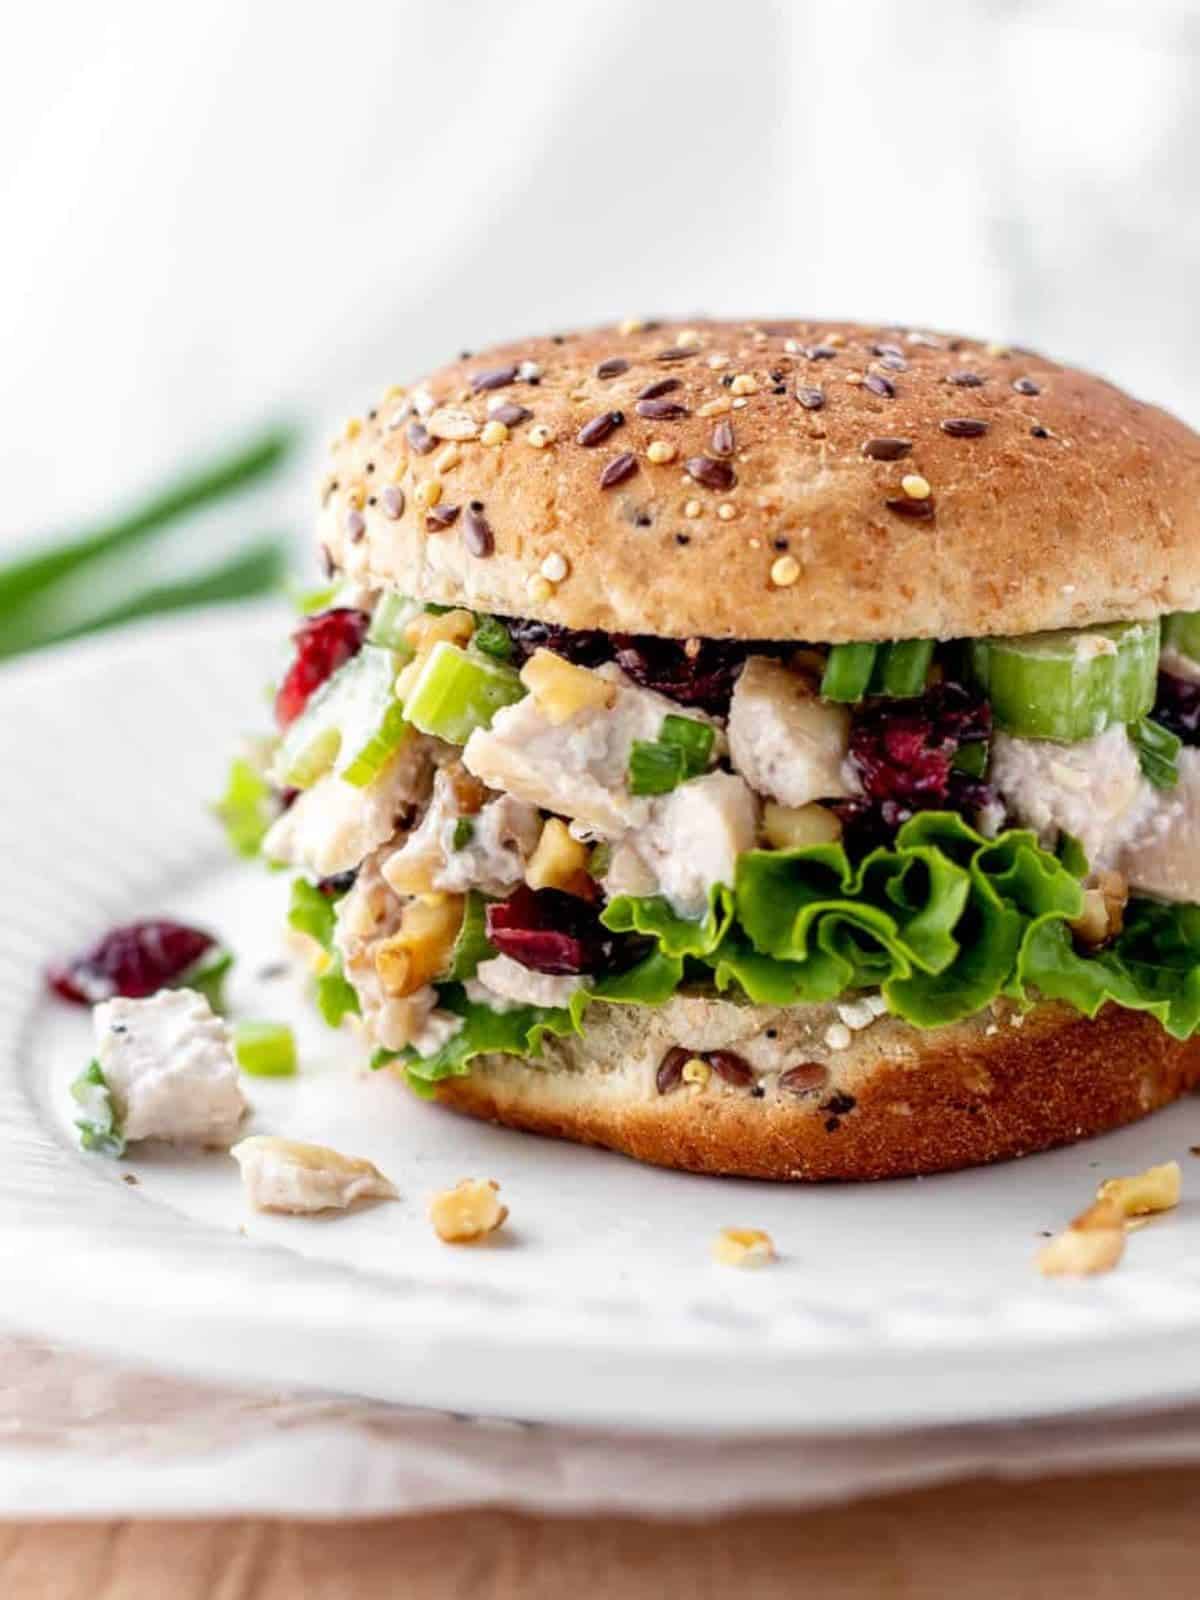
x=848, y=672
x=694, y=739
x=265, y=1049
x=457, y=692
x=432, y=609
x=655, y=768
x=1181, y=632
x=492, y=637
x=393, y=612
x=464, y=832
x=207, y=975
x=971, y=758
x=472, y=945
x=1158, y=752
x=901, y=669
x=100, y=1129
x=336, y=998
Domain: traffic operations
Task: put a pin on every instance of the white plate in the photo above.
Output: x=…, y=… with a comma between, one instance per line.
x=892, y=1304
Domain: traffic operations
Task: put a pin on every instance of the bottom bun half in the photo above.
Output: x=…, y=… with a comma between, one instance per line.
x=895, y=1101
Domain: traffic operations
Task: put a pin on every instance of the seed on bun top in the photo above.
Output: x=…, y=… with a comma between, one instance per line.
x=773, y=479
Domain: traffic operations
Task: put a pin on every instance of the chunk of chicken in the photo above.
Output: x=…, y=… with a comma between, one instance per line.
x=1163, y=859
x=169, y=1065
x=285, y=1175
x=508, y=980
x=694, y=837
x=334, y=826
x=577, y=767
x=786, y=742
x=500, y=837
x=1094, y=790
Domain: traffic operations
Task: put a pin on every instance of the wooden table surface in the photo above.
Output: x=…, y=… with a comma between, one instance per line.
x=1104, y=1538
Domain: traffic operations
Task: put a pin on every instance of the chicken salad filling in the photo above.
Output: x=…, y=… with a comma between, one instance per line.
x=496, y=822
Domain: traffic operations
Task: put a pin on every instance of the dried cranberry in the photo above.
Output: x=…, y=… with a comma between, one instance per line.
x=586, y=647
x=134, y=961
x=903, y=753
x=1177, y=706
x=323, y=643
x=549, y=931
x=696, y=673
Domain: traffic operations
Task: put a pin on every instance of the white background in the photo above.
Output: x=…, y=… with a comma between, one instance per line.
x=229, y=209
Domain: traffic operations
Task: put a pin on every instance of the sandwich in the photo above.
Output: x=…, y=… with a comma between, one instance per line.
x=762, y=748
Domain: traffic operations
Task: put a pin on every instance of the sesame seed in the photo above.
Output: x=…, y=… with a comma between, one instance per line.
x=660, y=452
x=692, y=509
x=792, y=347
x=660, y=410
x=555, y=567
x=618, y=469
x=688, y=339
x=717, y=361
x=529, y=372
x=740, y=403
x=393, y=502
x=493, y=378
x=784, y=572
x=631, y=325
x=355, y=497
x=810, y=399
x=539, y=589
x=818, y=352
x=613, y=367
x=353, y=427
x=1026, y=386
x=996, y=349
x=476, y=533
x=838, y=1036
x=964, y=427
x=428, y=493
x=878, y=384
x=394, y=391
x=356, y=525
x=915, y=486
x=446, y=460
x=598, y=429
x=452, y=422
x=965, y=380
x=539, y=436
x=494, y=432
x=712, y=474
x=744, y=383
x=886, y=449
x=675, y=353
x=726, y=511
x=1039, y=432
x=715, y=408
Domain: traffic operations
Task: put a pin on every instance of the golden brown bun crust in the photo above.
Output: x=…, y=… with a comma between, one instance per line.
x=1077, y=504
x=915, y=1103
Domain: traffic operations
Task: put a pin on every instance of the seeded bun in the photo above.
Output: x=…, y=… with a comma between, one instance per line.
x=822, y=481
x=896, y=1102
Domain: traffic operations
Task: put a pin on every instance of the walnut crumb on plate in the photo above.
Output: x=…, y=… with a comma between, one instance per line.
x=468, y=1212
x=743, y=1247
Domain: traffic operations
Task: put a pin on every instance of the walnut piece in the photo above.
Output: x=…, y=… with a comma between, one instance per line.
x=743, y=1247
x=1156, y=1189
x=468, y=1212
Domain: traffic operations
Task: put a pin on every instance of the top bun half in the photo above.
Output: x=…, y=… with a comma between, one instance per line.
x=771, y=480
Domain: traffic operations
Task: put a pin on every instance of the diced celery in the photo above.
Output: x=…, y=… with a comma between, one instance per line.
x=351, y=725
x=1069, y=685
x=457, y=692
x=393, y=612
x=902, y=668
x=265, y=1049
x=1181, y=632
x=848, y=672
x=100, y=1130
x=693, y=738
